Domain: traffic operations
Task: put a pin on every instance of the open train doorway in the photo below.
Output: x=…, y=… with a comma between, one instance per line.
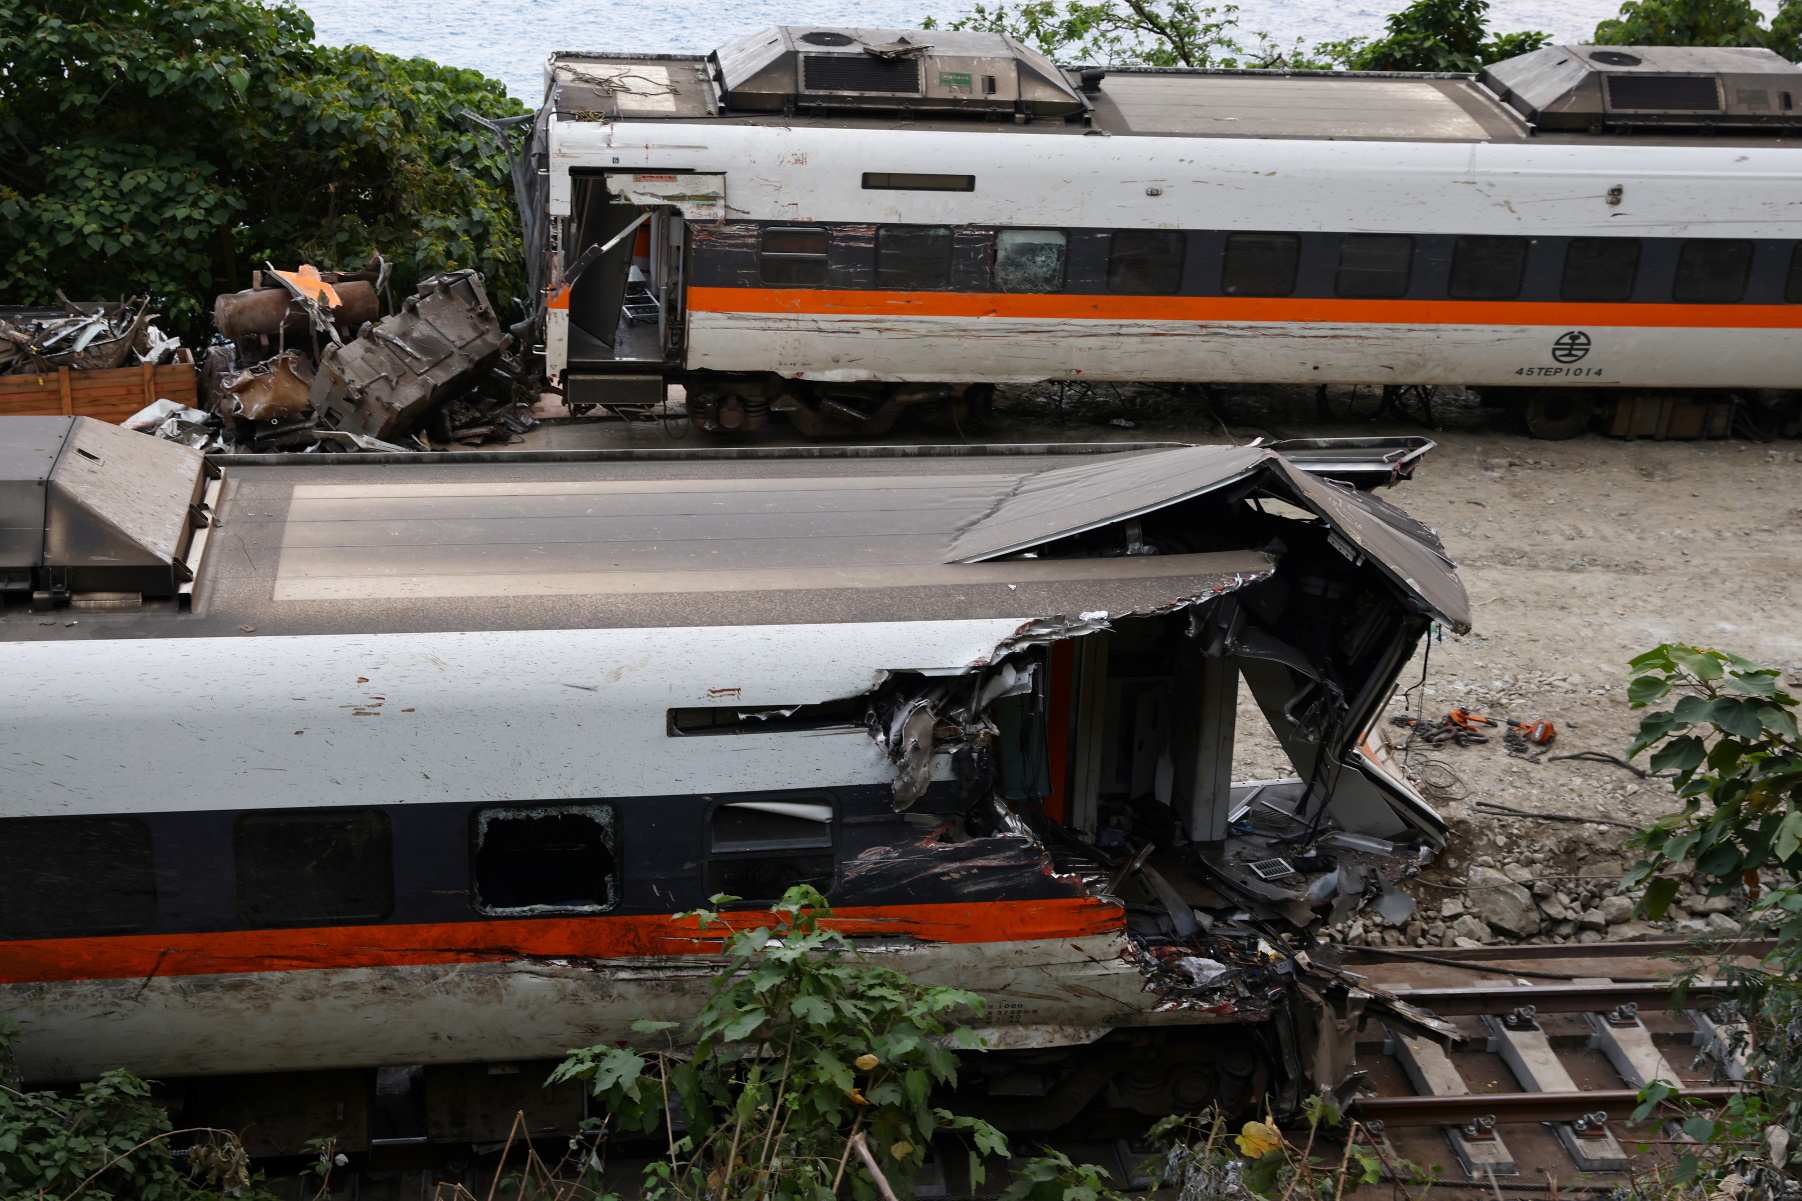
x=623, y=268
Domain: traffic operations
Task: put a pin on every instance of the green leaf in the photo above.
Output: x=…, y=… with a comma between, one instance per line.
x=1690, y=709
x=1759, y=683
x=1646, y=689
x=1659, y=895
x=1679, y=754
x=1738, y=718
x=1700, y=664
x=1789, y=836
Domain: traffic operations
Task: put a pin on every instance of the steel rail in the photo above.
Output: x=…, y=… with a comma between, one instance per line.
x=1519, y=1107
x=1559, y=998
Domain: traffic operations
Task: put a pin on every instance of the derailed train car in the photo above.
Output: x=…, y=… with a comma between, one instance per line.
x=344, y=796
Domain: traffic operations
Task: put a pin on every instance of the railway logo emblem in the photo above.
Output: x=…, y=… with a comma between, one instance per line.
x=1570, y=347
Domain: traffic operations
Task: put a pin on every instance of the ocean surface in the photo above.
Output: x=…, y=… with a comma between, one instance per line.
x=509, y=39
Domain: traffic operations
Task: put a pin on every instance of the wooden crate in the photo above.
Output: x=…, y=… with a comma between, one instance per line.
x=107, y=395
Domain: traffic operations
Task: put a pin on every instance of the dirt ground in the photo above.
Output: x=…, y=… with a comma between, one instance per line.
x=1577, y=556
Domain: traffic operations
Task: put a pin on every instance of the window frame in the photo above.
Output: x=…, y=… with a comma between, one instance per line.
x=1564, y=271
x=615, y=839
x=824, y=257
x=1750, y=247
x=885, y=181
x=1520, y=277
x=950, y=254
x=1360, y=239
x=1063, y=280
x=144, y=874
x=1182, y=261
x=1226, y=260
x=827, y=850
x=316, y=812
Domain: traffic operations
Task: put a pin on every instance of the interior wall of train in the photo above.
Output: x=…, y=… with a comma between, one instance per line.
x=1571, y=228
x=349, y=829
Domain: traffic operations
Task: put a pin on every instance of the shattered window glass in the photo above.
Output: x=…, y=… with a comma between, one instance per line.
x=1601, y=269
x=913, y=257
x=1260, y=264
x=63, y=877
x=1487, y=268
x=792, y=258
x=305, y=867
x=1029, y=260
x=1374, y=266
x=1145, y=262
x=754, y=845
x=546, y=859
x=1712, y=271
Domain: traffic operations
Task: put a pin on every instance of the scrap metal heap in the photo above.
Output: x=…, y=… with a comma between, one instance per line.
x=310, y=364
x=83, y=337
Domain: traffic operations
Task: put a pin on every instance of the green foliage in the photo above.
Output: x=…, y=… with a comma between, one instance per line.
x=106, y=1141
x=800, y=1045
x=1051, y=1176
x=1440, y=35
x=1149, y=33
x=1428, y=35
x=1702, y=23
x=1726, y=732
x=169, y=148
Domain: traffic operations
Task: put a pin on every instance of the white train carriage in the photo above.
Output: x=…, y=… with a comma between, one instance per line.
x=845, y=224
x=323, y=768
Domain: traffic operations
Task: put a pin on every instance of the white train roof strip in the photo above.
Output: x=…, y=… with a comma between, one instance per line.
x=1555, y=188
x=347, y=719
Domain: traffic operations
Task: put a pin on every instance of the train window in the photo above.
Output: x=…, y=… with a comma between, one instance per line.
x=63, y=877
x=546, y=859
x=760, y=849
x=1792, y=288
x=792, y=258
x=913, y=258
x=1029, y=260
x=902, y=181
x=1145, y=262
x=844, y=714
x=1600, y=269
x=307, y=867
x=1712, y=271
x=1374, y=265
x=1487, y=268
x=1260, y=264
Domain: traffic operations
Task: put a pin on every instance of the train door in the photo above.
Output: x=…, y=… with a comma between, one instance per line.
x=1142, y=735
x=623, y=276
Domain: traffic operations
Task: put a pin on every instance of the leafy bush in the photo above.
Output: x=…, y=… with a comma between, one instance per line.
x=801, y=1046
x=169, y=148
x=1729, y=735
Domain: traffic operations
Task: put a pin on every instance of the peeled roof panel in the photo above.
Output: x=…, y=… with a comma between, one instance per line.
x=1404, y=547
x=1068, y=500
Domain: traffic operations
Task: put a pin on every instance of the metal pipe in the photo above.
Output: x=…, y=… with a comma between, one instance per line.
x=679, y=454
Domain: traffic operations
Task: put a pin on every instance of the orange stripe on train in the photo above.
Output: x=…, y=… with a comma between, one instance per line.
x=138, y=956
x=1063, y=307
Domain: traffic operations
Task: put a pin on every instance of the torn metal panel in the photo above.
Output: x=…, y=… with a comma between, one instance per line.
x=384, y=380
x=700, y=198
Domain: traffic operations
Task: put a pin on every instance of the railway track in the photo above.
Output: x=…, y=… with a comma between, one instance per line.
x=1554, y=1044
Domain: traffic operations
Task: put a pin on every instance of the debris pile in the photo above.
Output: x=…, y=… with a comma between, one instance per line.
x=82, y=337
x=306, y=361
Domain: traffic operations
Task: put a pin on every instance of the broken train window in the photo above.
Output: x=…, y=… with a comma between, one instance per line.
x=546, y=859
x=845, y=714
x=306, y=867
x=760, y=849
x=63, y=877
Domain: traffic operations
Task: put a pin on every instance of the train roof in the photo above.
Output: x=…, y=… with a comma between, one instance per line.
x=329, y=544
x=1567, y=93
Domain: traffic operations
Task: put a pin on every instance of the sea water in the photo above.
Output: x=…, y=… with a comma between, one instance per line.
x=508, y=39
